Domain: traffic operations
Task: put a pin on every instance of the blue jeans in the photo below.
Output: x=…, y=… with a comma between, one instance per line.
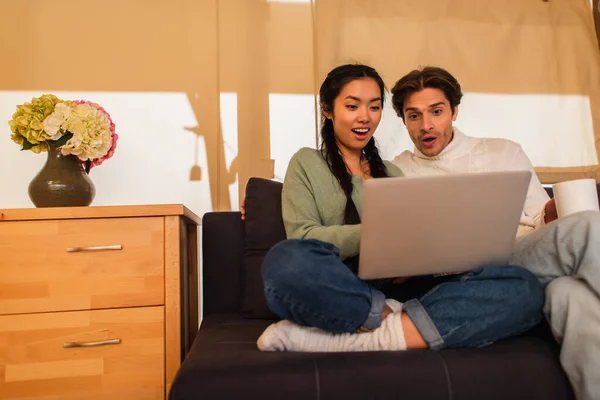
x=307, y=283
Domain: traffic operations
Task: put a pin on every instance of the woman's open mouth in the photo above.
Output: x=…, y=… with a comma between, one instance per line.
x=361, y=133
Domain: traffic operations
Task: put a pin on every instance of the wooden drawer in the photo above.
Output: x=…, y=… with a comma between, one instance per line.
x=34, y=364
x=41, y=269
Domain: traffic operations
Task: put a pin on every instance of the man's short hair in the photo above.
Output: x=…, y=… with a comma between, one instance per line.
x=427, y=77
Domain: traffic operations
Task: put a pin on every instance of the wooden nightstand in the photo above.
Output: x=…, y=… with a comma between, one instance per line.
x=96, y=302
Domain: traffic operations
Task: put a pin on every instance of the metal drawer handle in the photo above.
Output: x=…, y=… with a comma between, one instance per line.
x=69, y=345
x=94, y=248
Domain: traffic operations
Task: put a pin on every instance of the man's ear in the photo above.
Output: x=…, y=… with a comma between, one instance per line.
x=454, y=113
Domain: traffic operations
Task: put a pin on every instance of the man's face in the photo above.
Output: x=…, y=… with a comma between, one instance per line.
x=428, y=118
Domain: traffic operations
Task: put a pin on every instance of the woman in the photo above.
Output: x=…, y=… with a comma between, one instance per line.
x=310, y=279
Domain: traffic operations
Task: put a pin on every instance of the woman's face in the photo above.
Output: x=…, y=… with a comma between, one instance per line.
x=356, y=114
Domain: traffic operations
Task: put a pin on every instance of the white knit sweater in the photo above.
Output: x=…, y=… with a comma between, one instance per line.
x=467, y=154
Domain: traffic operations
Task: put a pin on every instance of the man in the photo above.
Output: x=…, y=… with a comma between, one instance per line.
x=564, y=254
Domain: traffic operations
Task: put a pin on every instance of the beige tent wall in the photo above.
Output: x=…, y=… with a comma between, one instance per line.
x=202, y=48
x=508, y=46
x=253, y=49
x=120, y=46
x=264, y=48
x=596, y=7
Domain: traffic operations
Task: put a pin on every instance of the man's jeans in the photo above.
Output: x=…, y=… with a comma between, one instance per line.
x=307, y=283
x=570, y=247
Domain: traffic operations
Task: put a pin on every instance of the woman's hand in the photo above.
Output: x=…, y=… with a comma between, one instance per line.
x=243, y=208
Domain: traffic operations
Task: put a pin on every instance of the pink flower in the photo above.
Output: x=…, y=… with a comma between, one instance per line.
x=114, y=136
x=111, y=151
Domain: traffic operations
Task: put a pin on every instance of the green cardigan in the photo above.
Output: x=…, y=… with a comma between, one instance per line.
x=313, y=202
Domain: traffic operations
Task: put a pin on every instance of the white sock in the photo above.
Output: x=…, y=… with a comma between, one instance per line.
x=285, y=335
x=395, y=305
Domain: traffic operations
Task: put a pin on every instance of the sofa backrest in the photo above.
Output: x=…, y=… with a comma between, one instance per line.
x=233, y=251
x=222, y=258
x=263, y=229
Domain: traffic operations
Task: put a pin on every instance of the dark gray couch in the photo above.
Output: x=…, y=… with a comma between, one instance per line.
x=224, y=362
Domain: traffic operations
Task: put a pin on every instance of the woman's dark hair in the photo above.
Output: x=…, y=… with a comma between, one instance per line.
x=330, y=89
x=427, y=77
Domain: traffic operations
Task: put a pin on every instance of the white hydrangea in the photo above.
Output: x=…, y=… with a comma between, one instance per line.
x=53, y=122
x=91, y=132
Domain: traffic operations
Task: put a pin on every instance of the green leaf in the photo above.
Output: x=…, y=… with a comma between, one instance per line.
x=26, y=145
x=63, y=139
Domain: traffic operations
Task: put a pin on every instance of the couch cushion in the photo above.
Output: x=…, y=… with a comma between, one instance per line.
x=263, y=229
x=224, y=363
x=524, y=368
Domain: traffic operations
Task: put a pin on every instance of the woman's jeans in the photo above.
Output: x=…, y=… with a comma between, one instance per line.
x=307, y=283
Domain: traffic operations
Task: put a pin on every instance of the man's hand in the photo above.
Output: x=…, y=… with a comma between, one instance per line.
x=243, y=208
x=550, y=210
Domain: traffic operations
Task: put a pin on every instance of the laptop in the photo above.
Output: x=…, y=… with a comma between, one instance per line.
x=439, y=224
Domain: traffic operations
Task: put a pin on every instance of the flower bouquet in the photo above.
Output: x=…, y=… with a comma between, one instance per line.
x=77, y=135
